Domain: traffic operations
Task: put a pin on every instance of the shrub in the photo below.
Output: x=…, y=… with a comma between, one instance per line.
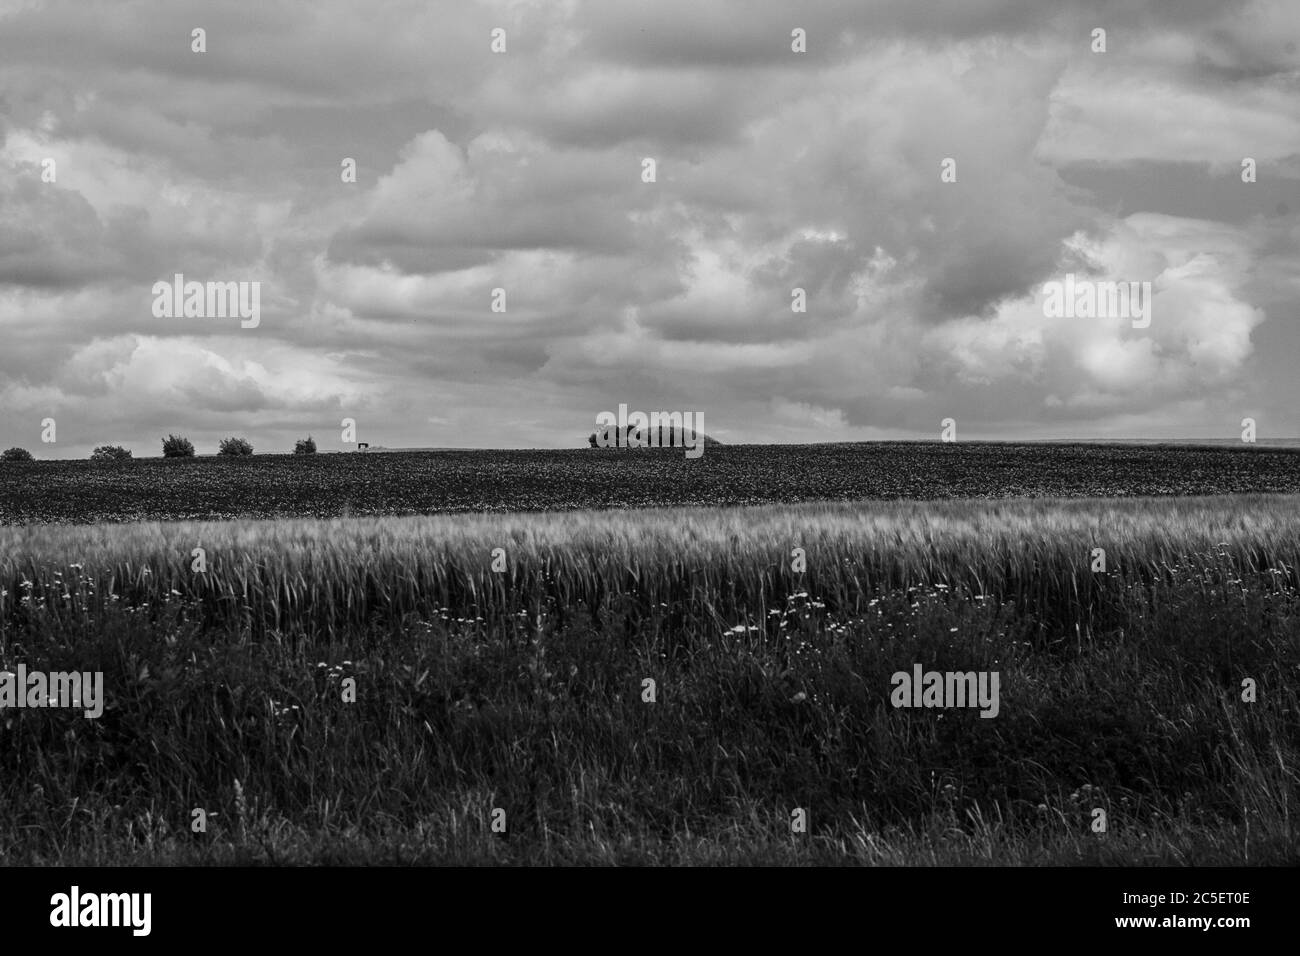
x=668, y=437
x=235, y=446
x=305, y=446
x=16, y=454
x=175, y=446
x=110, y=453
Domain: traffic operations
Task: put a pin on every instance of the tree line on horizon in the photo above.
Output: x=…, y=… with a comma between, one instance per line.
x=173, y=446
x=178, y=446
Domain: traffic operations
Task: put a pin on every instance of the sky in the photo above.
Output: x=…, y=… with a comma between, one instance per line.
x=922, y=171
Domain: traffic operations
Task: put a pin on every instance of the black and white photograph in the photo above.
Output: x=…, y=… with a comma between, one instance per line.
x=644, y=435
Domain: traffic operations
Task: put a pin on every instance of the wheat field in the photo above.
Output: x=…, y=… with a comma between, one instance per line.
x=387, y=689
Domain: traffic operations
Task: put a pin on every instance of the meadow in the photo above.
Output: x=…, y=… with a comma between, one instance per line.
x=523, y=690
x=412, y=483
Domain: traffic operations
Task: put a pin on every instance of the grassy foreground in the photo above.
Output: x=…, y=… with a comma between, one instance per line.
x=523, y=690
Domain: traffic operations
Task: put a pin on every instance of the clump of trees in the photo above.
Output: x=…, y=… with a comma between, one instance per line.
x=668, y=437
x=305, y=446
x=16, y=454
x=111, y=453
x=235, y=446
x=177, y=446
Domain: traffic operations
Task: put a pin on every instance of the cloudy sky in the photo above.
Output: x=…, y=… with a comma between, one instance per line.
x=523, y=170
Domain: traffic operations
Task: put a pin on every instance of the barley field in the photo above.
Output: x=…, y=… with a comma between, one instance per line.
x=374, y=691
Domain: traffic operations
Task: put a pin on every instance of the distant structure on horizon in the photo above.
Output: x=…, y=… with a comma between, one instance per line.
x=668, y=437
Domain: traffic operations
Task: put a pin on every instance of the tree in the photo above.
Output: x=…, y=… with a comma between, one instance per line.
x=235, y=446
x=110, y=453
x=305, y=446
x=175, y=446
x=16, y=454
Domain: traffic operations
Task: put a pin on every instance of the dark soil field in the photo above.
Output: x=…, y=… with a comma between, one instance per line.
x=285, y=486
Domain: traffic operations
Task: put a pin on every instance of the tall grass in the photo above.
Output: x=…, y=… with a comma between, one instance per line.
x=522, y=689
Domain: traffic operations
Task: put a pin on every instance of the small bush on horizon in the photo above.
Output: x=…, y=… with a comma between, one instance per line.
x=110, y=453
x=177, y=446
x=16, y=454
x=305, y=446
x=235, y=446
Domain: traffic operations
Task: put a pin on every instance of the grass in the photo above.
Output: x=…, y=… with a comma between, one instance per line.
x=523, y=690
